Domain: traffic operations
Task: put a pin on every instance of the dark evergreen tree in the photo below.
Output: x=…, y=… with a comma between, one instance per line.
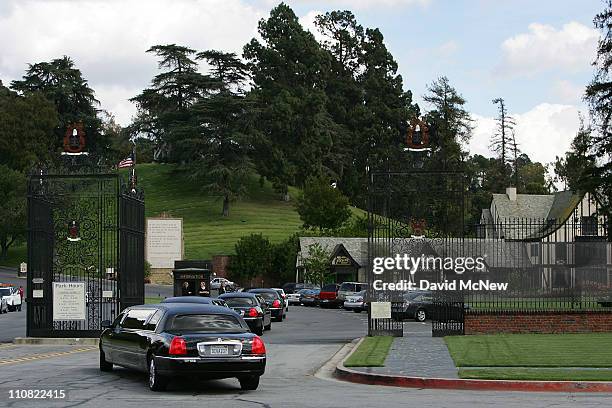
x=163, y=109
x=27, y=130
x=60, y=82
x=289, y=69
x=599, y=97
x=220, y=147
x=450, y=124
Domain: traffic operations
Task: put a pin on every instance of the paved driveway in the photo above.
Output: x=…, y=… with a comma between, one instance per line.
x=297, y=348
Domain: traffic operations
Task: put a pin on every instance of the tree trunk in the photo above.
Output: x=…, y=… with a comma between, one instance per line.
x=4, y=252
x=226, y=206
x=286, y=196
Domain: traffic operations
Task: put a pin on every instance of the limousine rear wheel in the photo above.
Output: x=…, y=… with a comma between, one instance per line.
x=156, y=382
x=105, y=365
x=249, y=383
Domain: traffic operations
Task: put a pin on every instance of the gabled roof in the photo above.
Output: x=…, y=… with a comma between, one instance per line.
x=530, y=216
x=357, y=248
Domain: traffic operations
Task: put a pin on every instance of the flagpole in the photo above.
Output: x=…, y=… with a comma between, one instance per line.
x=133, y=176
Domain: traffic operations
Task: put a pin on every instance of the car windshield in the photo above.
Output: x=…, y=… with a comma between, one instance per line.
x=329, y=288
x=239, y=301
x=268, y=295
x=217, y=323
x=412, y=295
x=347, y=287
x=5, y=292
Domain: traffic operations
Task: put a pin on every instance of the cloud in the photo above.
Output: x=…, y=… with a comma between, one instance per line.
x=570, y=48
x=356, y=4
x=568, y=92
x=542, y=133
x=108, y=38
x=308, y=22
x=447, y=49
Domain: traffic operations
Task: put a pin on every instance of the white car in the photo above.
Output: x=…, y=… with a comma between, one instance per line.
x=215, y=283
x=293, y=298
x=12, y=297
x=283, y=295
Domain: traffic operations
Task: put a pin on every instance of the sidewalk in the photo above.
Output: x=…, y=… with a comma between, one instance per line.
x=417, y=354
x=418, y=360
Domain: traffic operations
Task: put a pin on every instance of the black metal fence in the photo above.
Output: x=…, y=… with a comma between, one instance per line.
x=83, y=235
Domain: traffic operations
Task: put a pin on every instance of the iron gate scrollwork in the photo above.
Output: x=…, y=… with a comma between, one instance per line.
x=76, y=235
x=417, y=213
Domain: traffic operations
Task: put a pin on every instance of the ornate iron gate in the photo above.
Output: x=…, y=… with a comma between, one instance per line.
x=418, y=213
x=85, y=239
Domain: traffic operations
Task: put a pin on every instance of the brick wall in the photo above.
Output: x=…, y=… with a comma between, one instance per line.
x=581, y=322
x=220, y=265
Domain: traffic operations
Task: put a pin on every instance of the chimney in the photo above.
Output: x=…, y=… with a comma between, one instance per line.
x=511, y=193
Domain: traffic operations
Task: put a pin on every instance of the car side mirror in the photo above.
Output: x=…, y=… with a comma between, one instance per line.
x=106, y=324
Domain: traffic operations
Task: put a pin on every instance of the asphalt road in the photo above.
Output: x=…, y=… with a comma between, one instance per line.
x=297, y=349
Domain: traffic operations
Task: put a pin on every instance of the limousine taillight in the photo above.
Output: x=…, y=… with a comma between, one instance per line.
x=178, y=347
x=257, y=346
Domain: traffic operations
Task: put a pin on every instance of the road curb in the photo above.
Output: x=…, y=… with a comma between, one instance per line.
x=346, y=374
x=57, y=341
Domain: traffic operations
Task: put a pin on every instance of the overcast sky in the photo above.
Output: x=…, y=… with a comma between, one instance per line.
x=535, y=54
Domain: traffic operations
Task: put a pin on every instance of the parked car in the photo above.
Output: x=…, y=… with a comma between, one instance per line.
x=196, y=299
x=3, y=305
x=309, y=297
x=253, y=309
x=172, y=340
x=293, y=298
x=417, y=305
x=350, y=288
x=356, y=302
x=293, y=287
x=12, y=297
x=274, y=301
x=215, y=283
x=284, y=297
x=328, y=297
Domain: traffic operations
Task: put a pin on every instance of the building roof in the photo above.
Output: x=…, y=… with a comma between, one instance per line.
x=498, y=254
x=530, y=216
x=356, y=247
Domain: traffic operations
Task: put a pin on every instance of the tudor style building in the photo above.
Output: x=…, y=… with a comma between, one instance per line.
x=347, y=260
x=559, y=233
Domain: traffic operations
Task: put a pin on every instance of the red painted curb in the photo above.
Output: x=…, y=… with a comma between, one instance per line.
x=347, y=374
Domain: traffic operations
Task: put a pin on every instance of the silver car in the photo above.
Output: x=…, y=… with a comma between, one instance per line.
x=356, y=302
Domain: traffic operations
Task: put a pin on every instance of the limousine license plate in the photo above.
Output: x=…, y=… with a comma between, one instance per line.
x=219, y=351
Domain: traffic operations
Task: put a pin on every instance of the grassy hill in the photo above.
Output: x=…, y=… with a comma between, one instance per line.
x=205, y=230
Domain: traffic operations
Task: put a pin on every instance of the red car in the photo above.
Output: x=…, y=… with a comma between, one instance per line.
x=328, y=297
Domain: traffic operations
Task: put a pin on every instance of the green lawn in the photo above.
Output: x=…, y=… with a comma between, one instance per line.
x=535, y=374
x=518, y=356
x=16, y=255
x=372, y=352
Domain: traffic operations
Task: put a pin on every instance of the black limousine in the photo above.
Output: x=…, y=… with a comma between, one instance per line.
x=178, y=339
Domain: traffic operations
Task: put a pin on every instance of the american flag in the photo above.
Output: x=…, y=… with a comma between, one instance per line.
x=127, y=162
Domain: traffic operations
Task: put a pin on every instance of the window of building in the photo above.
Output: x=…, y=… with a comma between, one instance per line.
x=588, y=225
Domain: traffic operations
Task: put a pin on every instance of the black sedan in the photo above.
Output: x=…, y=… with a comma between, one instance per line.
x=183, y=340
x=253, y=309
x=274, y=301
x=417, y=305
